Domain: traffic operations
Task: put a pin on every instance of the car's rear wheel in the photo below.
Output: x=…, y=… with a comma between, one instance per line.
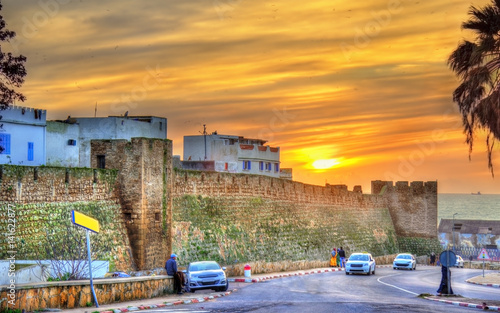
x=373, y=270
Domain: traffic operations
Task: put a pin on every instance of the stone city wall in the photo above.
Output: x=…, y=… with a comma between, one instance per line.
x=40, y=200
x=143, y=185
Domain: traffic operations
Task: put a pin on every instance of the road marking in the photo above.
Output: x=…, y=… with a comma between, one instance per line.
x=163, y=310
x=411, y=292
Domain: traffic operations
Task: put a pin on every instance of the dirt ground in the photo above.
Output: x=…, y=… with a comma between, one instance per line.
x=493, y=278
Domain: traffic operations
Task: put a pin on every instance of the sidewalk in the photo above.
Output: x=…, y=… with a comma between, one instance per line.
x=489, y=280
x=492, y=280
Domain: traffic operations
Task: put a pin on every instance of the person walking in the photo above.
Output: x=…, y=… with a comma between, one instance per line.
x=171, y=267
x=341, y=253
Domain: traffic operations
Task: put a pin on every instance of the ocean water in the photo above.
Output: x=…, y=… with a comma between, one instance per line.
x=468, y=206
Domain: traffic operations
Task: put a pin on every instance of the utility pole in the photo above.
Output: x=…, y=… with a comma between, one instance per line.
x=453, y=231
x=205, y=139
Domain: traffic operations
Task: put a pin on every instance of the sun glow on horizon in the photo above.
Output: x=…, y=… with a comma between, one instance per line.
x=325, y=164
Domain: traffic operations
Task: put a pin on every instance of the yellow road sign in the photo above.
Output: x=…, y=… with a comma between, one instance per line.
x=85, y=221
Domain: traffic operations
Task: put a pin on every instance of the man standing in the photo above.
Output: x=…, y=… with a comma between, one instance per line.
x=342, y=257
x=433, y=259
x=443, y=286
x=171, y=267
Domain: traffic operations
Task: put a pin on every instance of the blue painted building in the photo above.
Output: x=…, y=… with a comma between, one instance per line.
x=22, y=136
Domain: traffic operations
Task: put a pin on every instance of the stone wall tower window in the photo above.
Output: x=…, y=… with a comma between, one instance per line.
x=101, y=161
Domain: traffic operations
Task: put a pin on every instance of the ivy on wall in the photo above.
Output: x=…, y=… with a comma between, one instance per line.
x=38, y=222
x=419, y=246
x=231, y=230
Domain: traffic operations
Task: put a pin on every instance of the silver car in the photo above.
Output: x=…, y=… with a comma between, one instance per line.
x=206, y=275
x=404, y=261
x=360, y=263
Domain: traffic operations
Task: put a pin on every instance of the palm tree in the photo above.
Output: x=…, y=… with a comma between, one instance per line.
x=477, y=65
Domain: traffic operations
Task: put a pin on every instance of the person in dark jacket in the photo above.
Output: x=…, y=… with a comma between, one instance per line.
x=443, y=286
x=342, y=257
x=171, y=267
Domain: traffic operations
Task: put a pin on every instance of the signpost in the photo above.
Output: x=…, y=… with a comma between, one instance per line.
x=90, y=224
x=483, y=255
x=448, y=259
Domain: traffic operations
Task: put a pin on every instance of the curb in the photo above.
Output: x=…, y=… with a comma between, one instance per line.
x=165, y=304
x=465, y=304
x=264, y=278
x=482, y=284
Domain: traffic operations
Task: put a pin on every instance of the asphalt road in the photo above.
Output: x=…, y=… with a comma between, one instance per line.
x=387, y=291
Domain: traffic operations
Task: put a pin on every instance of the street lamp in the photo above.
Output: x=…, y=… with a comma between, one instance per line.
x=453, y=231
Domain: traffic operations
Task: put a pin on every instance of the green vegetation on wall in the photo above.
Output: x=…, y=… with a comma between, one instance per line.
x=38, y=222
x=419, y=246
x=231, y=230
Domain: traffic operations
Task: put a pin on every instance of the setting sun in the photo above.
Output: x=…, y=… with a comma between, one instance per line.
x=325, y=164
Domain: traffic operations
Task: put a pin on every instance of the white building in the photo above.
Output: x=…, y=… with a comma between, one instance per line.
x=22, y=136
x=233, y=154
x=68, y=141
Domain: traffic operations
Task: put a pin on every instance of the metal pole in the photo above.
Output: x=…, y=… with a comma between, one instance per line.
x=205, y=139
x=90, y=270
x=453, y=231
x=448, y=270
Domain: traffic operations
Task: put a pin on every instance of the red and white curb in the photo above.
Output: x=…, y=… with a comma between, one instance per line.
x=264, y=278
x=165, y=304
x=489, y=285
x=468, y=305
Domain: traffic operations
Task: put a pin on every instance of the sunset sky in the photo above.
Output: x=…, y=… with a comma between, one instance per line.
x=352, y=91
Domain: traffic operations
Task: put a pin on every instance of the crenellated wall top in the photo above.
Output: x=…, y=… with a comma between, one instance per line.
x=415, y=187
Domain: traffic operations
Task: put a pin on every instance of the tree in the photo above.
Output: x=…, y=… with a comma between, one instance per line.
x=477, y=65
x=63, y=256
x=12, y=71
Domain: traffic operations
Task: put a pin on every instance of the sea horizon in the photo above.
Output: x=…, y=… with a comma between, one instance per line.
x=468, y=206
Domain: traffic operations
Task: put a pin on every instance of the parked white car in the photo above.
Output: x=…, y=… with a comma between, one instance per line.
x=459, y=262
x=404, y=261
x=206, y=275
x=360, y=263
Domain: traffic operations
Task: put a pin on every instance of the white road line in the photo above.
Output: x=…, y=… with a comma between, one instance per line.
x=411, y=292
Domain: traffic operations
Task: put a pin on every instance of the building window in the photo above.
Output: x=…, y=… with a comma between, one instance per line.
x=30, y=151
x=261, y=166
x=101, y=161
x=4, y=143
x=247, y=165
x=268, y=166
x=276, y=167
